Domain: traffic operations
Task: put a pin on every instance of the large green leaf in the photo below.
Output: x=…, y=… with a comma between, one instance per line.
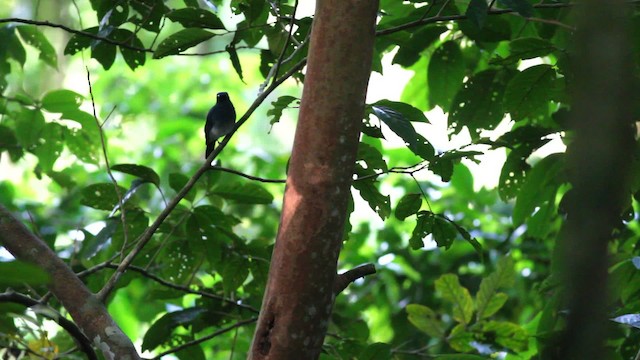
x=101, y=196
x=278, y=106
x=426, y=320
x=529, y=92
x=32, y=36
x=457, y=295
x=18, y=273
x=59, y=101
x=446, y=71
x=488, y=299
x=541, y=180
x=408, y=205
x=478, y=104
x=409, y=51
x=247, y=193
x=180, y=41
x=160, y=331
x=195, y=18
x=143, y=172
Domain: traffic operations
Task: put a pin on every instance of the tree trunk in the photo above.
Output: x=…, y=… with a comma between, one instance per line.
x=299, y=296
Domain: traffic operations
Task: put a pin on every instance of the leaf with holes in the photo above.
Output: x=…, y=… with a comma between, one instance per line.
x=408, y=205
x=513, y=172
x=195, y=18
x=279, y=105
x=101, y=196
x=528, y=93
x=401, y=125
x=478, y=104
x=32, y=36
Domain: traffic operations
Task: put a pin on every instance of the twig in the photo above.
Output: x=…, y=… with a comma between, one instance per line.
x=286, y=43
x=106, y=161
x=146, y=236
x=250, y=177
x=205, y=338
x=73, y=330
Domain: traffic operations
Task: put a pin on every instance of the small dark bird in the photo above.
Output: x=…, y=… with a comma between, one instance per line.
x=220, y=121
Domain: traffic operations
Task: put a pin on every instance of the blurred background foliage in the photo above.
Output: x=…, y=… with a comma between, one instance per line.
x=466, y=265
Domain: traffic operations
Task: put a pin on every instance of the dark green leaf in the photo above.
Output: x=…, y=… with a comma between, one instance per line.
x=278, y=106
x=477, y=12
x=376, y=351
x=180, y=41
x=101, y=196
x=371, y=157
x=29, y=125
x=444, y=232
x=234, y=272
x=379, y=203
x=235, y=60
x=446, y=71
x=143, y=172
x=401, y=125
x=177, y=181
x=495, y=29
x=133, y=58
x=409, y=51
x=526, y=48
x=59, y=101
x=523, y=7
x=536, y=186
x=13, y=46
x=408, y=205
x=478, y=105
x=247, y=193
x=32, y=36
x=409, y=112
x=424, y=227
x=513, y=173
x=195, y=18
x=528, y=93
x=78, y=42
x=442, y=167
x=104, y=53
x=159, y=332
x=17, y=273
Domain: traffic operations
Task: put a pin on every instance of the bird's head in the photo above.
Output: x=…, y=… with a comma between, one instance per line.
x=222, y=96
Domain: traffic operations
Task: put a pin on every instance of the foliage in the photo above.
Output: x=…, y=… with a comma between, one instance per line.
x=470, y=267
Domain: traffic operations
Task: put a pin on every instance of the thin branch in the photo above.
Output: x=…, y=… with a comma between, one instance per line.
x=106, y=161
x=439, y=18
x=183, y=288
x=286, y=43
x=73, y=330
x=552, y=22
x=250, y=177
x=146, y=236
x=208, y=337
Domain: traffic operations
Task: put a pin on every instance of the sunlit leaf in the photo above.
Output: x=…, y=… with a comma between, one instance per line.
x=181, y=41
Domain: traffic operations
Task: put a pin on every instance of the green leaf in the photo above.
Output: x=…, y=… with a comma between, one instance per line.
x=409, y=112
x=446, y=71
x=523, y=7
x=444, y=232
x=59, y=101
x=180, y=41
x=460, y=338
x=101, y=196
x=12, y=46
x=234, y=272
x=495, y=28
x=278, y=106
x=159, y=332
x=32, y=36
x=408, y=205
x=372, y=157
x=410, y=49
x=18, y=273
x=376, y=351
x=527, y=94
x=488, y=299
x=29, y=126
x=235, y=60
x=507, y=334
x=247, y=193
x=477, y=12
x=104, y=53
x=78, y=42
x=401, y=125
x=145, y=173
x=513, y=172
x=525, y=48
x=416, y=92
x=177, y=181
x=535, y=188
x=50, y=146
x=379, y=203
x=451, y=290
x=426, y=320
x=133, y=58
x=424, y=227
x=478, y=105
x=195, y=18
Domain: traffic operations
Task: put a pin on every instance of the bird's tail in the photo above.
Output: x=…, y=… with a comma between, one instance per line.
x=210, y=147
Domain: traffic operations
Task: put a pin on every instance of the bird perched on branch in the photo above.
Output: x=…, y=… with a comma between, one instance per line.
x=220, y=121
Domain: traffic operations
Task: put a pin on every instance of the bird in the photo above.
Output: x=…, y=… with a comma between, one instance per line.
x=220, y=121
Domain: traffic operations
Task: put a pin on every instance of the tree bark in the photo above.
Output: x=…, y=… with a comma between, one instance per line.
x=599, y=161
x=85, y=309
x=299, y=297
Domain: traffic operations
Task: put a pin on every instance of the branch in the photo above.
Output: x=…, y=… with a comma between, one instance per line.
x=83, y=342
x=250, y=177
x=343, y=280
x=186, y=289
x=205, y=338
x=439, y=18
x=146, y=236
x=90, y=315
